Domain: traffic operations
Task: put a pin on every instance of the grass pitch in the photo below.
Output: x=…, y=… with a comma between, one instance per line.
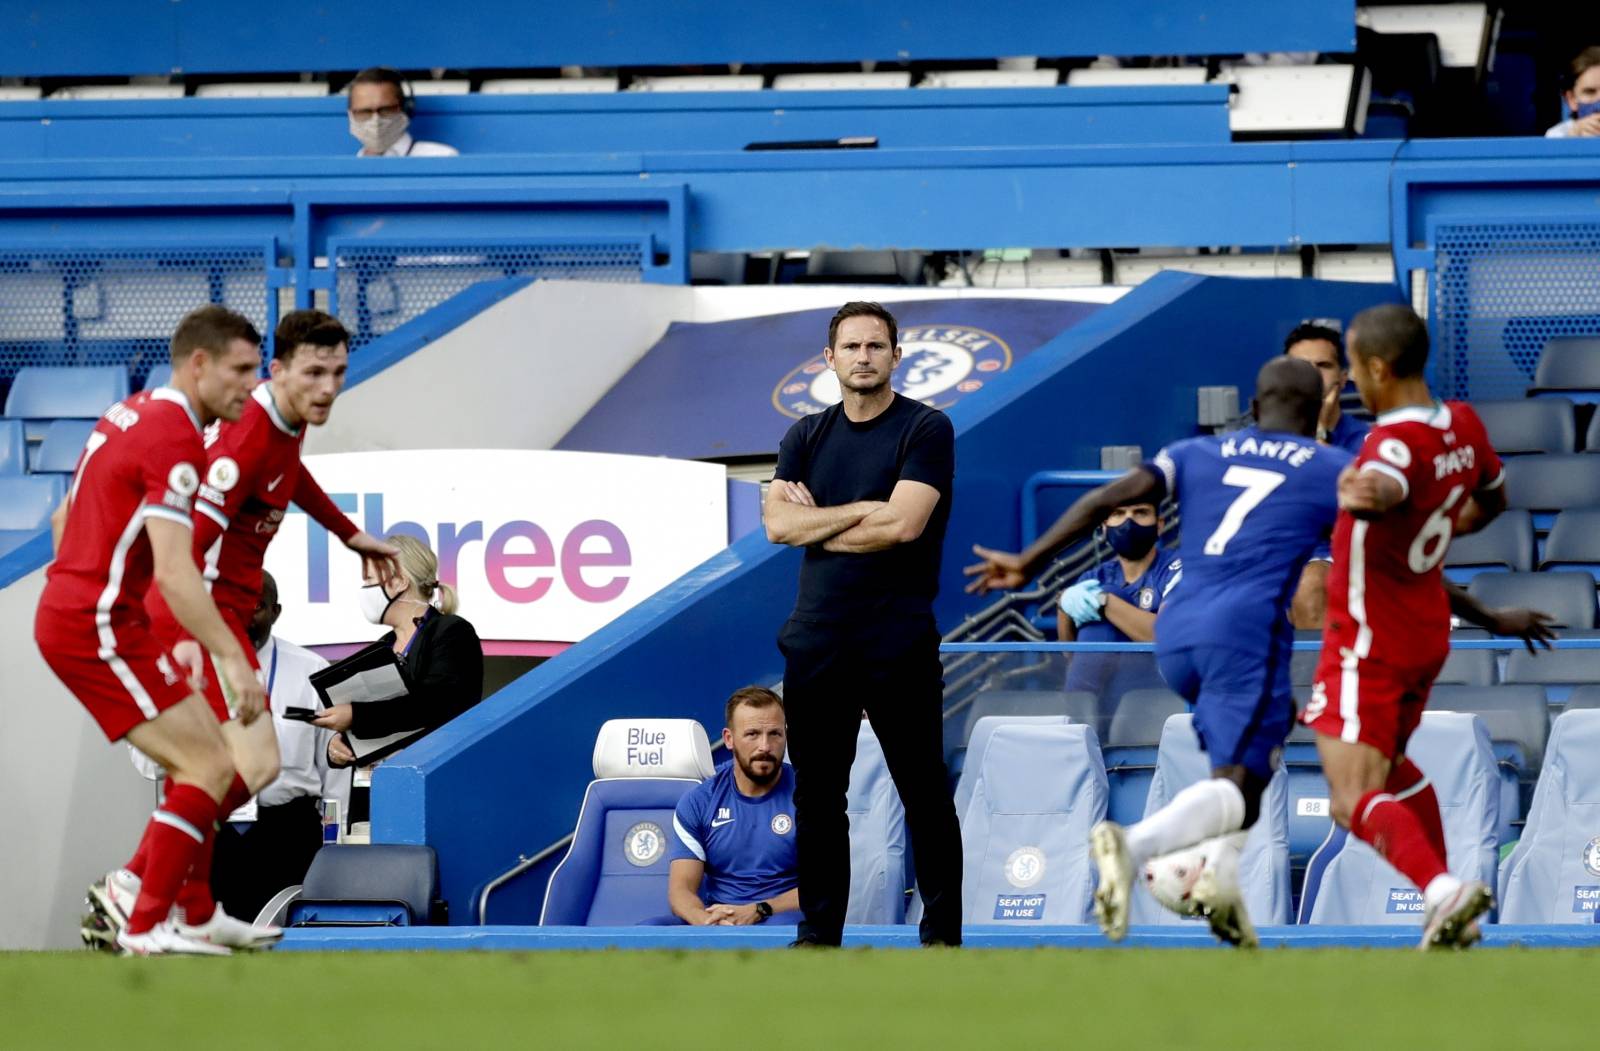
x=1366, y=1000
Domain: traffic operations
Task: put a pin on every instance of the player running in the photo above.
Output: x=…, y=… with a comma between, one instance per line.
x=252, y=474
x=125, y=523
x=1426, y=472
x=1254, y=504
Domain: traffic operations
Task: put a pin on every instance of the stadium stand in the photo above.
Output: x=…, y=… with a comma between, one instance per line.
x=1567, y=596
x=878, y=849
x=25, y=506
x=1558, y=671
x=1264, y=863
x=1078, y=705
x=1553, y=873
x=41, y=394
x=372, y=885
x=1505, y=543
x=1529, y=426
x=1574, y=542
x=63, y=442
x=1569, y=368
x=1468, y=668
x=1346, y=882
x=1547, y=484
x=13, y=448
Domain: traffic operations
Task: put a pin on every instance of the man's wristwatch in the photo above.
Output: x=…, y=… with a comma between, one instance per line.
x=763, y=912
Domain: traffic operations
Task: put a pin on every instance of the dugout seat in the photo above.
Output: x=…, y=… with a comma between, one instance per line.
x=1347, y=883
x=1518, y=724
x=878, y=846
x=1026, y=834
x=25, y=506
x=1558, y=671
x=982, y=733
x=1309, y=815
x=62, y=445
x=1574, y=542
x=1568, y=596
x=43, y=393
x=1080, y=706
x=370, y=885
x=1264, y=863
x=615, y=871
x=1544, y=425
x=1547, y=484
x=13, y=449
x=1132, y=743
x=1583, y=697
x=1569, y=367
x=1553, y=873
x=1468, y=668
x=1505, y=543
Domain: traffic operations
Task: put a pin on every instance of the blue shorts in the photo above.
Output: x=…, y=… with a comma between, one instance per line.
x=1243, y=704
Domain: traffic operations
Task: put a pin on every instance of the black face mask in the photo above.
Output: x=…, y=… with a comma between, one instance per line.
x=1131, y=540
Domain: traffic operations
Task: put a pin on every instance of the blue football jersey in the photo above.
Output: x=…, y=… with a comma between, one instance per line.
x=747, y=844
x=1254, y=505
x=1146, y=592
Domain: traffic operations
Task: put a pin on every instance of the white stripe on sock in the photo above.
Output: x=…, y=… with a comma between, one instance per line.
x=171, y=820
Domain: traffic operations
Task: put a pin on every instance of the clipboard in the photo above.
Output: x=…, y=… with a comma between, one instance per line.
x=371, y=675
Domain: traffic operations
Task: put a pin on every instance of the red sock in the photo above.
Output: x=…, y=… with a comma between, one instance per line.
x=176, y=835
x=194, y=897
x=1412, y=789
x=1398, y=836
x=136, y=864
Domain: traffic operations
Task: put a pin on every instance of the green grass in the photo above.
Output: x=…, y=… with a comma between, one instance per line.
x=1367, y=1000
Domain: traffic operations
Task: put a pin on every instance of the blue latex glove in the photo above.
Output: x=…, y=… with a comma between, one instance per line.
x=1081, y=602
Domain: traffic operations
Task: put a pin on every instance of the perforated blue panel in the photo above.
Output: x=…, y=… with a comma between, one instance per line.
x=1500, y=292
x=381, y=285
x=117, y=306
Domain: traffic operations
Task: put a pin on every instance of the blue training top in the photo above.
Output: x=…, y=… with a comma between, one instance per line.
x=747, y=844
x=1255, y=504
x=1145, y=592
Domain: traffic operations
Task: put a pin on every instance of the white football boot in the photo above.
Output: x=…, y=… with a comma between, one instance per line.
x=1451, y=922
x=229, y=932
x=1108, y=848
x=164, y=940
x=112, y=899
x=1216, y=891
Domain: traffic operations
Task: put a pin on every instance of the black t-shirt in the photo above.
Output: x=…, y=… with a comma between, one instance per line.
x=842, y=462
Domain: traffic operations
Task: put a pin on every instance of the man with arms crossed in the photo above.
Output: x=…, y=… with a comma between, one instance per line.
x=864, y=486
x=125, y=524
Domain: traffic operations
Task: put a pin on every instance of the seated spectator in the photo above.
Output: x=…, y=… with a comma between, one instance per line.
x=380, y=115
x=1582, y=98
x=733, y=852
x=1117, y=601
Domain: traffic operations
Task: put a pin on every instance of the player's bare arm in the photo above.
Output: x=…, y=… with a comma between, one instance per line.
x=899, y=521
x=1529, y=625
x=178, y=578
x=792, y=517
x=58, y=525
x=1003, y=570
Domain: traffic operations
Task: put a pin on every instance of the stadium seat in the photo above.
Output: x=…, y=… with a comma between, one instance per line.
x=720, y=82
x=371, y=885
x=1026, y=836
x=1347, y=883
x=1567, y=596
x=1309, y=815
x=1519, y=724
x=13, y=449
x=615, y=871
x=26, y=503
x=1558, y=671
x=1583, y=697
x=1468, y=668
x=1591, y=436
x=982, y=733
x=62, y=445
x=160, y=375
x=989, y=78
x=1553, y=873
x=1080, y=705
x=1529, y=425
x=878, y=851
x=1568, y=367
x=1547, y=484
x=1574, y=542
x=1132, y=743
x=1264, y=864
x=42, y=393
x=1505, y=543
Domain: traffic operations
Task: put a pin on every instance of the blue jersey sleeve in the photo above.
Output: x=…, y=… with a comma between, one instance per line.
x=687, y=842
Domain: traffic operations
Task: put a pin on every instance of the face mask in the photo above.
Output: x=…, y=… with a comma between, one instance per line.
x=377, y=133
x=1131, y=540
x=1588, y=108
x=375, y=602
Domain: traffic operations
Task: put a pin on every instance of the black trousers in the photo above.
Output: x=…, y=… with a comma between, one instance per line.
x=887, y=667
x=273, y=852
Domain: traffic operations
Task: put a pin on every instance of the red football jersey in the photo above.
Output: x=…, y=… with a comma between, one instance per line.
x=142, y=461
x=1386, y=599
x=253, y=471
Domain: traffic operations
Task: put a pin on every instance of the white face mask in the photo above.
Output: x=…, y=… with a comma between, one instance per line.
x=375, y=602
x=377, y=133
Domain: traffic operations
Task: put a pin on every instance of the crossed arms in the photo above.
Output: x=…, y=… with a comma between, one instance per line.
x=792, y=517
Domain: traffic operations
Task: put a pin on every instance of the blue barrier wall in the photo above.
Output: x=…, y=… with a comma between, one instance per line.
x=505, y=780
x=122, y=37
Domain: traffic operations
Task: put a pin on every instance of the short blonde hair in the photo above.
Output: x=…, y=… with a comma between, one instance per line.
x=421, y=567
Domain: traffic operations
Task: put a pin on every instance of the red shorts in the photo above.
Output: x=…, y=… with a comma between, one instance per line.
x=132, y=685
x=213, y=691
x=1363, y=700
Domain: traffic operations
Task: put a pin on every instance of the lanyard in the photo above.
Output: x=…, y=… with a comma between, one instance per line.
x=272, y=673
x=412, y=641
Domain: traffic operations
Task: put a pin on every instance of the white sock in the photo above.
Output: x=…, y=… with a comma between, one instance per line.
x=1440, y=888
x=1213, y=807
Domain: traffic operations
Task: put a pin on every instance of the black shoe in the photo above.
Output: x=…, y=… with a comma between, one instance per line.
x=940, y=943
x=811, y=941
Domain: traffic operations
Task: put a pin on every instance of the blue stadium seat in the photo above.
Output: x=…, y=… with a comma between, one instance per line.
x=1553, y=873
x=1132, y=745
x=62, y=445
x=1567, y=596
x=13, y=449
x=42, y=393
x=376, y=885
x=160, y=375
x=1519, y=724
x=1544, y=425
x=1309, y=815
x=1026, y=834
x=615, y=871
x=1574, y=542
x=878, y=849
x=1347, y=883
x=1080, y=705
x=1558, y=671
x=1468, y=668
x=25, y=506
x=1264, y=864
x=1569, y=367
x=1505, y=543
x=1547, y=484
x=1583, y=697
x=981, y=735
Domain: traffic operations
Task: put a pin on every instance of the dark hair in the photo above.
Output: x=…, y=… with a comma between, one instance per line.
x=861, y=308
x=1584, y=61
x=301, y=327
x=751, y=697
x=385, y=75
x=1311, y=330
x=211, y=328
x=1394, y=333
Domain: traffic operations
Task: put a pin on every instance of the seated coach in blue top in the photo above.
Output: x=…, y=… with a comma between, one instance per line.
x=732, y=849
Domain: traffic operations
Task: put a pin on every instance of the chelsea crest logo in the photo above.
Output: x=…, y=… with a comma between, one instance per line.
x=938, y=365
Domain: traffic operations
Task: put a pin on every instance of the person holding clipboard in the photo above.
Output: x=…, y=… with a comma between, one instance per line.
x=438, y=652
